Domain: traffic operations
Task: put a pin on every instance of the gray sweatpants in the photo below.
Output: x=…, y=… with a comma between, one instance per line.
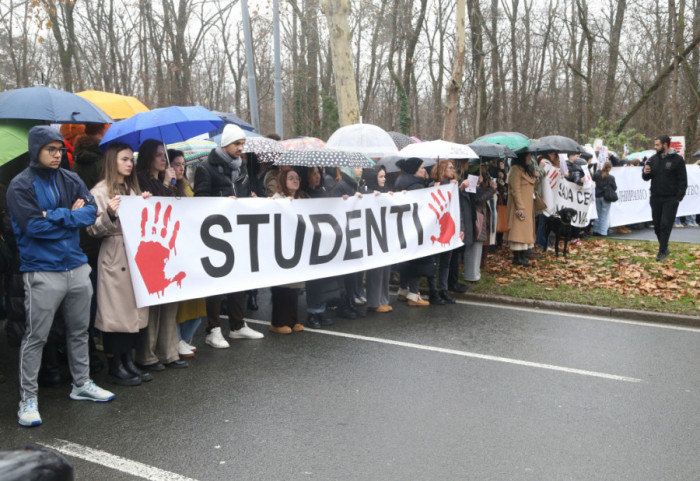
x=44, y=293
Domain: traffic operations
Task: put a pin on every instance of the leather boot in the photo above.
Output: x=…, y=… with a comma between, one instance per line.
x=129, y=365
x=522, y=260
x=313, y=321
x=445, y=296
x=435, y=299
x=516, y=258
x=117, y=373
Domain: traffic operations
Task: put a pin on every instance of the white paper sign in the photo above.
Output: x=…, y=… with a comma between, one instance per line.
x=473, y=182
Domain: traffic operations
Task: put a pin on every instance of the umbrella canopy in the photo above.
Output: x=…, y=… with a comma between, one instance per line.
x=267, y=150
x=115, y=105
x=169, y=125
x=323, y=158
x=563, y=144
x=401, y=140
x=301, y=143
x=439, y=149
x=541, y=147
x=51, y=105
x=195, y=150
x=367, y=139
x=389, y=163
x=230, y=118
x=515, y=141
x=644, y=153
x=488, y=150
x=13, y=138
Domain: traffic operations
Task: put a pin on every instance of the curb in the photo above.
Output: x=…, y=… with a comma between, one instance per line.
x=626, y=314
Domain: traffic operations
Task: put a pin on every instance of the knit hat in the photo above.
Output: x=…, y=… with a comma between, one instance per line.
x=410, y=166
x=231, y=134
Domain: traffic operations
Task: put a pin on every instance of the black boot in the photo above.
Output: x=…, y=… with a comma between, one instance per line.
x=313, y=321
x=129, y=365
x=516, y=258
x=435, y=299
x=50, y=372
x=445, y=296
x=117, y=374
x=522, y=260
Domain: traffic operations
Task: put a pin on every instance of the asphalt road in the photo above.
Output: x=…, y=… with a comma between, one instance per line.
x=469, y=391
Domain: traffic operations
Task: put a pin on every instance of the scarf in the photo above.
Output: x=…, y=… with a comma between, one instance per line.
x=234, y=164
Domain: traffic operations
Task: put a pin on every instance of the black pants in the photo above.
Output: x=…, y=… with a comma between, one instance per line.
x=663, y=213
x=442, y=280
x=235, y=301
x=285, y=306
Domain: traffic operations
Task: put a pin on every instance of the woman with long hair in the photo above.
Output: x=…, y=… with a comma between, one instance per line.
x=521, y=211
x=117, y=315
x=603, y=180
x=152, y=170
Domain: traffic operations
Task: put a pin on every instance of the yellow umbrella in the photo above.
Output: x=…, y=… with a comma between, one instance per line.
x=116, y=106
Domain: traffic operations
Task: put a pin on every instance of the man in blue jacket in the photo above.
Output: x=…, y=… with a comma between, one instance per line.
x=48, y=206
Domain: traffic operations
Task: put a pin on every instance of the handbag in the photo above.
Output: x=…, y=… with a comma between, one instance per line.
x=502, y=216
x=609, y=193
x=479, y=227
x=539, y=203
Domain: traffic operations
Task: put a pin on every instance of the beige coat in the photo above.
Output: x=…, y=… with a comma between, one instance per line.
x=116, y=304
x=521, y=191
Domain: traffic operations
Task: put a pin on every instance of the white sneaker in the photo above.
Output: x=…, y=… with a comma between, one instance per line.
x=216, y=340
x=28, y=413
x=245, y=332
x=190, y=346
x=90, y=392
x=183, y=349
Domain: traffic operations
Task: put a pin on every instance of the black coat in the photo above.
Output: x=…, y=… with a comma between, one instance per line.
x=213, y=179
x=344, y=186
x=601, y=183
x=408, y=182
x=668, y=175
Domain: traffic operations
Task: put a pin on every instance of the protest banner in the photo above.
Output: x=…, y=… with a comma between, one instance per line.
x=678, y=143
x=568, y=194
x=186, y=248
x=633, y=194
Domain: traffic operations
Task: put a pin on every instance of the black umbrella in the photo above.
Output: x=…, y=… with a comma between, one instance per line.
x=401, y=140
x=696, y=155
x=323, y=158
x=562, y=144
x=488, y=150
x=541, y=148
x=51, y=105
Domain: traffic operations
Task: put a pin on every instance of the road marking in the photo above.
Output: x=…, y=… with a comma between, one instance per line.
x=473, y=355
x=124, y=465
x=582, y=316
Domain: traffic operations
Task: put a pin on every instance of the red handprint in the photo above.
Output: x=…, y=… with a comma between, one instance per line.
x=152, y=255
x=447, y=224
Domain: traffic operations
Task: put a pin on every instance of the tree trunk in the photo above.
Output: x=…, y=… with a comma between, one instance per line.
x=613, y=55
x=337, y=12
x=454, y=85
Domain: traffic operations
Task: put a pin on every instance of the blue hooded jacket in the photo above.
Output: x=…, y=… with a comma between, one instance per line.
x=50, y=243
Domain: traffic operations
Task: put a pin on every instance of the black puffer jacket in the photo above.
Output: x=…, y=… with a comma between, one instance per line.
x=408, y=182
x=339, y=188
x=213, y=179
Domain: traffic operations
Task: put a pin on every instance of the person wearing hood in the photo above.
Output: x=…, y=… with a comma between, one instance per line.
x=223, y=174
x=48, y=206
x=413, y=177
x=575, y=166
x=669, y=181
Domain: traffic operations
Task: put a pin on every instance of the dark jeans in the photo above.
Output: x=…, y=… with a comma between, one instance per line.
x=455, y=261
x=409, y=281
x=443, y=272
x=235, y=301
x=663, y=213
x=541, y=230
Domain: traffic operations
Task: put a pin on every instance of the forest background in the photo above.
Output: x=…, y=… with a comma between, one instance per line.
x=623, y=70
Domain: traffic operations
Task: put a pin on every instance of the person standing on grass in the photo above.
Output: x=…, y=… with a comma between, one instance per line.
x=669, y=181
x=48, y=206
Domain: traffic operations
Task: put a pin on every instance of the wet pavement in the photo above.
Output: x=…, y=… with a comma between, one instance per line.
x=468, y=391
x=683, y=234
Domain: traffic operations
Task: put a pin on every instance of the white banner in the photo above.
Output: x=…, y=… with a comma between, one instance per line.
x=633, y=193
x=190, y=248
x=568, y=194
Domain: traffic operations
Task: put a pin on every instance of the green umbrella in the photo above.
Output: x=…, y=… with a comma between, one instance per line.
x=13, y=138
x=515, y=141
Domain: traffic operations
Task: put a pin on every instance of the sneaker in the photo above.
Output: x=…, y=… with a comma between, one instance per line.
x=215, y=339
x=90, y=392
x=245, y=332
x=418, y=303
x=28, y=413
x=662, y=255
x=383, y=308
x=402, y=294
x=183, y=350
x=360, y=301
x=190, y=346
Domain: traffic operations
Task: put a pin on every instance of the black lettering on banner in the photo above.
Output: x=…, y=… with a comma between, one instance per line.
x=373, y=228
x=217, y=245
x=316, y=220
x=253, y=221
x=400, y=210
x=298, y=243
x=419, y=226
x=350, y=234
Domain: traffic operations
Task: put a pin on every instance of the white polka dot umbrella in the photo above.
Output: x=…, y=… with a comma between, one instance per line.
x=267, y=150
x=323, y=158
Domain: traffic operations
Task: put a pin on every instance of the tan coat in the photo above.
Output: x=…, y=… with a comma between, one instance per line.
x=116, y=304
x=521, y=191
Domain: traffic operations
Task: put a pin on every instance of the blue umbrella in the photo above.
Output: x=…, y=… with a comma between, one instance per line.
x=51, y=105
x=169, y=125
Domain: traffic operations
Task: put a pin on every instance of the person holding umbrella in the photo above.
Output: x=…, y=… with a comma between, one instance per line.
x=48, y=206
x=223, y=174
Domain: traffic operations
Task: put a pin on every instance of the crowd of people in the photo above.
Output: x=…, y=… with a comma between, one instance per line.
x=67, y=273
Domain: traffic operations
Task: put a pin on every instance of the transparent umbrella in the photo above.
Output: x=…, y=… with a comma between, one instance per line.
x=366, y=139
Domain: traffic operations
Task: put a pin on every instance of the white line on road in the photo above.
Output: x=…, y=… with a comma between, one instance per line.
x=474, y=355
x=114, y=462
x=581, y=316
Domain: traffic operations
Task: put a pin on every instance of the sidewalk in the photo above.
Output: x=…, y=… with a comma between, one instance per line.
x=690, y=235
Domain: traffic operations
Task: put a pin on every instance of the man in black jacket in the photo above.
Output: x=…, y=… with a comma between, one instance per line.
x=669, y=181
x=223, y=174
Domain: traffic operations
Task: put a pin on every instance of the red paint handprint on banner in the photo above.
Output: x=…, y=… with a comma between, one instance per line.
x=154, y=253
x=441, y=207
